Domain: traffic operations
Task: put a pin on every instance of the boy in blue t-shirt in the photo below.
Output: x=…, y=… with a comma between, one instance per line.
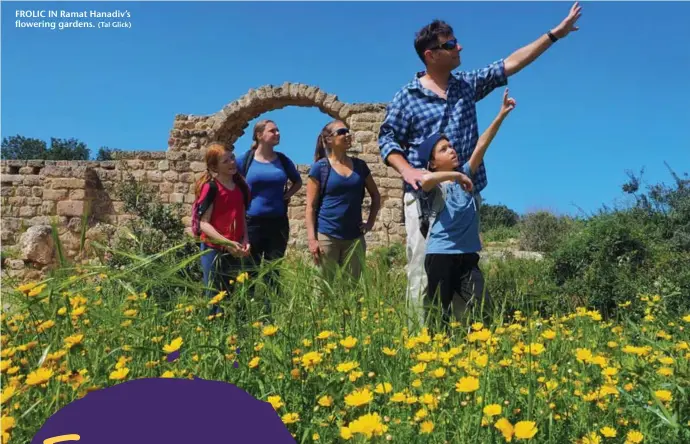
x=453, y=236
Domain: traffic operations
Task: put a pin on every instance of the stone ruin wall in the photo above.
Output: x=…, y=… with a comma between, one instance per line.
x=36, y=192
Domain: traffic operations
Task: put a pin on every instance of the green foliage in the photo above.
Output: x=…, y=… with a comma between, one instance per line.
x=523, y=283
x=500, y=234
x=22, y=148
x=543, y=231
x=497, y=216
x=619, y=253
x=156, y=227
x=105, y=153
x=664, y=209
x=602, y=263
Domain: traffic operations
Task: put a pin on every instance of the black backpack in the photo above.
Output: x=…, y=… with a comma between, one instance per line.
x=284, y=162
x=429, y=205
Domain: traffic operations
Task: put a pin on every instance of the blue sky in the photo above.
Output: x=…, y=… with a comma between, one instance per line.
x=609, y=98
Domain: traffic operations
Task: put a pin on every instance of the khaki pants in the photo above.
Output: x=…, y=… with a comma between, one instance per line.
x=338, y=252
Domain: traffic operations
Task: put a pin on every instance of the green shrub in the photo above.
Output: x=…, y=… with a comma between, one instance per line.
x=621, y=253
x=664, y=209
x=497, y=216
x=542, y=231
x=156, y=233
x=603, y=263
x=500, y=234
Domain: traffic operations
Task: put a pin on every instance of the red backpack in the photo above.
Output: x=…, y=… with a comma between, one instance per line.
x=201, y=205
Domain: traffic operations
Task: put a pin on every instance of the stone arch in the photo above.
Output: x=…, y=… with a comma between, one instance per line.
x=190, y=135
x=231, y=122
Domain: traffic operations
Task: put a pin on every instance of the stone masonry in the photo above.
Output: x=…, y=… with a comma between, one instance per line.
x=36, y=192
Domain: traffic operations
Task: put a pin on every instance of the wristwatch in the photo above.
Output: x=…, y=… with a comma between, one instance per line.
x=552, y=37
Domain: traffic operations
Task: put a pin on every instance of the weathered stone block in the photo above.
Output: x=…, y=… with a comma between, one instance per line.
x=182, y=187
x=181, y=166
x=47, y=208
x=23, y=191
x=17, y=201
x=189, y=198
x=171, y=176
x=166, y=187
x=60, y=183
x=187, y=177
x=37, y=245
x=154, y=176
x=27, y=211
x=54, y=194
x=176, y=155
x=70, y=208
x=77, y=194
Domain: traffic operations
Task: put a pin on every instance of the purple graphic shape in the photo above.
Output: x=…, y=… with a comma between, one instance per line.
x=168, y=411
x=173, y=356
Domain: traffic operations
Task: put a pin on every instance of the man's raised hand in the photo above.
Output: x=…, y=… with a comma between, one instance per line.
x=568, y=23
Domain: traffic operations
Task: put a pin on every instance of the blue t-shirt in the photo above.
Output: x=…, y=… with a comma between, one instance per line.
x=267, y=181
x=456, y=228
x=340, y=215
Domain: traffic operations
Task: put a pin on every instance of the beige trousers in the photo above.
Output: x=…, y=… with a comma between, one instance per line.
x=342, y=253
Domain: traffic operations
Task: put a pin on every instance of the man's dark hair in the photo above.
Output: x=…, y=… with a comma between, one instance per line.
x=427, y=37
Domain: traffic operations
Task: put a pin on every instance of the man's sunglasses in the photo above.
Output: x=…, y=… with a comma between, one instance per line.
x=450, y=44
x=340, y=132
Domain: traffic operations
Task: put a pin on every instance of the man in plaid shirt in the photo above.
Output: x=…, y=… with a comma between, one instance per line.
x=438, y=100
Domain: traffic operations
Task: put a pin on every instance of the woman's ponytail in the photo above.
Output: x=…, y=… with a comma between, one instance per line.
x=320, y=151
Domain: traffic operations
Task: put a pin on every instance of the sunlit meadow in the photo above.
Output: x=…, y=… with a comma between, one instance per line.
x=338, y=362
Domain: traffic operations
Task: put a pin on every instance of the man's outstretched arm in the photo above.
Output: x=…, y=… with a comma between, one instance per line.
x=527, y=54
x=393, y=130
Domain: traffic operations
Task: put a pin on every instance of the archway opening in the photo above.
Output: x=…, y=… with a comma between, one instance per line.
x=299, y=128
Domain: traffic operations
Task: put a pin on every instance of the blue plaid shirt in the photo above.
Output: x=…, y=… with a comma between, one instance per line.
x=415, y=113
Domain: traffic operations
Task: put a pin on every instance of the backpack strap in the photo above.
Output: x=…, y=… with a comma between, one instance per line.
x=209, y=198
x=202, y=207
x=285, y=164
x=358, y=165
x=324, y=174
x=248, y=158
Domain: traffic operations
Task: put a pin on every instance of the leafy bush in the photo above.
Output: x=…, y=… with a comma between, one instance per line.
x=518, y=284
x=156, y=231
x=665, y=209
x=497, y=216
x=620, y=253
x=500, y=234
x=602, y=263
x=542, y=231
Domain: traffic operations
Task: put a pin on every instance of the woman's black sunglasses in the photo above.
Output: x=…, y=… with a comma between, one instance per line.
x=450, y=44
x=341, y=132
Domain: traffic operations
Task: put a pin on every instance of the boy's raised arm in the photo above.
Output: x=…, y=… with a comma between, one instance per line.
x=489, y=134
x=431, y=179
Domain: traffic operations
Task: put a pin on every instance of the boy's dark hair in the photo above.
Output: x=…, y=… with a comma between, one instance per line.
x=427, y=37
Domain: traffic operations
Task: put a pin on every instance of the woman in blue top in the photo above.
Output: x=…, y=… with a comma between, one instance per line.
x=267, y=173
x=335, y=192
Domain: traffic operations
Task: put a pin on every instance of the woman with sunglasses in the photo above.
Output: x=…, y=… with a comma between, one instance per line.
x=335, y=193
